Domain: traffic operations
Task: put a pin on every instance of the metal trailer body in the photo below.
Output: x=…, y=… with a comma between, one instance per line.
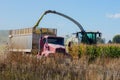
x=27, y=40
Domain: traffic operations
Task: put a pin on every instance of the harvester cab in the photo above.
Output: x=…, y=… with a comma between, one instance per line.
x=91, y=37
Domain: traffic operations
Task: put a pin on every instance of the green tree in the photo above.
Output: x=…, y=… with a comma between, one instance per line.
x=116, y=39
x=109, y=41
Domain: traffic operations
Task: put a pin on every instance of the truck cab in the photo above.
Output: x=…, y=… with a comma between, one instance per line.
x=51, y=45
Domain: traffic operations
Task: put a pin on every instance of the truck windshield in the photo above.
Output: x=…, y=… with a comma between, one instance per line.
x=56, y=40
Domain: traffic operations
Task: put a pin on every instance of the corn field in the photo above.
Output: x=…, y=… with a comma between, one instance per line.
x=95, y=51
x=96, y=62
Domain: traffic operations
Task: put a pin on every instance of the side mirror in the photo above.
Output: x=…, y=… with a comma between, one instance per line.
x=99, y=34
x=76, y=35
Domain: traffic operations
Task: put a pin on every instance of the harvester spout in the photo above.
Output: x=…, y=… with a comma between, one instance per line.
x=55, y=12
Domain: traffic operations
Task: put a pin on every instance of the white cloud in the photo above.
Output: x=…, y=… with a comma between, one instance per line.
x=115, y=16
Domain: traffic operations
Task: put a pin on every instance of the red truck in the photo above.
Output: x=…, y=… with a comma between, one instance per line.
x=42, y=41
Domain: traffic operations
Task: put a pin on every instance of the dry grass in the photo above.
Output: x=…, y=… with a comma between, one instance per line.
x=3, y=52
x=28, y=67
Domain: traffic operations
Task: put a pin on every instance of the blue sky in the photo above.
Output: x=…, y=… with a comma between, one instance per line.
x=93, y=15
